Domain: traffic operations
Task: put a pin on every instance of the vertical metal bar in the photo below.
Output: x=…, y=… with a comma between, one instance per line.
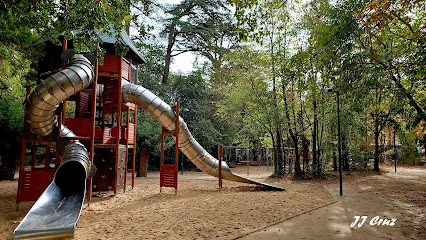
x=394, y=147
x=220, y=166
x=248, y=161
x=177, y=143
x=340, y=151
x=162, y=158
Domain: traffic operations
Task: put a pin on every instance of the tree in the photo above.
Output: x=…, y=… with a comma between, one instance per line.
x=82, y=21
x=246, y=96
x=202, y=27
x=395, y=40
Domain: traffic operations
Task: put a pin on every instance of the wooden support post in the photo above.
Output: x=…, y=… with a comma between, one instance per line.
x=134, y=149
x=168, y=173
x=117, y=146
x=47, y=158
x=21, y=172
x=134, y=142
x=127, y=147
x=92, y=133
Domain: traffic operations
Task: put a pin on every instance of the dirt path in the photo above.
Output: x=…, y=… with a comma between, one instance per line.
x=400, y=196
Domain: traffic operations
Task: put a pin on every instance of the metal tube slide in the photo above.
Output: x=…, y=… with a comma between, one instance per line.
x=56, y=212
x=164, y=114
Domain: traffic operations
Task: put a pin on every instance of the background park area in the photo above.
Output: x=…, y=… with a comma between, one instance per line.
x=326, y=98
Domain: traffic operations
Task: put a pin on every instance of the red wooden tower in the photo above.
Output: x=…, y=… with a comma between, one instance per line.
x=99, y=118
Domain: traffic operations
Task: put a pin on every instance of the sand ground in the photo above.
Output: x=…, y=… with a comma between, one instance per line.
x=200, y=211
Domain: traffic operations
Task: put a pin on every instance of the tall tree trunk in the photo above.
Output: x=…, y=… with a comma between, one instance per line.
x=345, y=157
x=305, y=150
x=376, y=146
x=9, y=164
x=283, y=150
x=275, y=151
x=297, y=170
x=305, y=147
x=314, y=140
x=279, y=170
x=172, y=38
x=142, y=163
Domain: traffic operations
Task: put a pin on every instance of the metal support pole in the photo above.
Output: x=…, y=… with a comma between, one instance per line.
x=177, y=144
x=340, y=151
x=220, y=166
x=248, y=161
x=394, y=147
x=183, y=158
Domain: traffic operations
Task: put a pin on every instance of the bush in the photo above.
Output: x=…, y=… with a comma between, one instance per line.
x=11, y=125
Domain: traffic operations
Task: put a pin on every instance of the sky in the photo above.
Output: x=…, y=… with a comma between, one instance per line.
x=183, y=63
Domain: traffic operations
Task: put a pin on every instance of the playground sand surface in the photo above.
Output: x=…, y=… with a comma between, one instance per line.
x=198, y=211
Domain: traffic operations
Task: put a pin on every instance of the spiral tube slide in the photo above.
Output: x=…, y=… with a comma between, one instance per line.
x=56, y=212
x=164, y=114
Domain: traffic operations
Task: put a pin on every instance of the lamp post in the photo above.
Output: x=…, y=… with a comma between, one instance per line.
x=330, y=90
x=183, y=157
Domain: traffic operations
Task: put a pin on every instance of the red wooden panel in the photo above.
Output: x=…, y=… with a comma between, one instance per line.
x=106, y=138
x=83, y=103
x=131, y=133
x=125, y=70
x=114, y=132
x=111, y=91
x=98, y=133
x=168, y=176
x=111, y=64
x=33, y=183
x=80, y=126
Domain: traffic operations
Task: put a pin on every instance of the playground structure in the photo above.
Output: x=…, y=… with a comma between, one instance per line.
x=57, y=210
x=96, y=117
x=235, y=155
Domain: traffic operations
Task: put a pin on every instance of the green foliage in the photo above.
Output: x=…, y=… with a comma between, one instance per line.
x=151, y=72
x=247, y=99
x=79, y=20
x=202, y=27
x=11, y=122
x=193, y=93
